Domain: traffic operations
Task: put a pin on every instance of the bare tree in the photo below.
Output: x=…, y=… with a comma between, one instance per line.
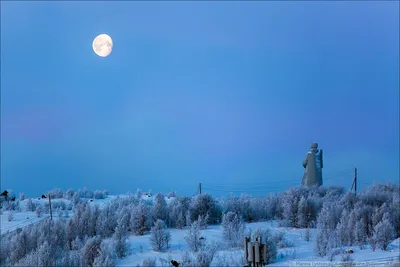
x=10, y=216
x=159, y=235
x=193, y=237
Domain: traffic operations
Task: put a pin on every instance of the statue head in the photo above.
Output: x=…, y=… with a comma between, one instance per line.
x=314, y=146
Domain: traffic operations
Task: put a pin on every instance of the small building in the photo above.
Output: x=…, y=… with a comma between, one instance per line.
x=7, y=195
x=4, y=194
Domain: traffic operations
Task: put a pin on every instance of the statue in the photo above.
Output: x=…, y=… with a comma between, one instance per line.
x=313, y=167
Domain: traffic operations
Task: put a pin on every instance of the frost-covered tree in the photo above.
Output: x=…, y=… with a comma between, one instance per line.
x=159, y=236
x=70, y=258
x=91, y=250
x=39, y=211
x=306, y=213
x=271, y=207
x=176, y=214
x=302, y=219
x=193, y=237
x=17, y=250
x=329, y=216
x=106, y=257
x=384, y=232
x=257, y=207
x=56, y=193
x=290, y=202
x=232, y=204
x=395, y=212
x=203, y=221
x=206, y=254
x=93, y=220
x=159, y=208
x=188, y=219
x=58, y=236
x=150, y=262
x=364, y=212
x=245, y=208
x=30, y=260
x=322, y=243
x=201, y=205
x=22, y=196
x=81, y=219
x=99, y=194
x=70, y=233
x=180, y=220
x=45, y=256
x=139, y=193
x=140, y=219
x=360, y=234
x=233, y=229
x=69, y=194
x=76, y=199
x=171, y=194
x=77, y=244
x=10, y=216
x=106, y=222
x=121, y=236
x=343, y=229
x=103, y=260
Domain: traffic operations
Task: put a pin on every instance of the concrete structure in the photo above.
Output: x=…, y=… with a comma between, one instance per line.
x=313, y=167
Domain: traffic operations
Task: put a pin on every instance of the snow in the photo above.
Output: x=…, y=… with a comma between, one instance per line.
x=21, y=219
x=301, y=253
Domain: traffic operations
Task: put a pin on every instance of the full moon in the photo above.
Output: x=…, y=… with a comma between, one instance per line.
x=102, y=45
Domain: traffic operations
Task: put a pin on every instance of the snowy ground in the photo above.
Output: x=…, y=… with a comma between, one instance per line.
x=300, y=254
x=21, y=219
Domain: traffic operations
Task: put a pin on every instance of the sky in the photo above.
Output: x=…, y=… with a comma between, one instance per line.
x=227, y=93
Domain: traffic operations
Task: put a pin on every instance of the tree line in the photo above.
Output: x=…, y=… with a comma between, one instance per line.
x=95, y=236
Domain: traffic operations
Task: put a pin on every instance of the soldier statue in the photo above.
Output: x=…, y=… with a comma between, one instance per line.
x=313, y=167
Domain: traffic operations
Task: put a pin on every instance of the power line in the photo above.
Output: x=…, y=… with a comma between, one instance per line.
x=272, y=186
x=242, y=191
x=272, y=183
x=331, y=175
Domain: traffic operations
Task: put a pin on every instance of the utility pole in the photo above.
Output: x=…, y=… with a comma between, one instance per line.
x=51, y=212
x=200, y=188
x=355, y=181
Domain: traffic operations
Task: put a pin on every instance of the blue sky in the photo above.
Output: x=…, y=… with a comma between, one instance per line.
x=226, y=93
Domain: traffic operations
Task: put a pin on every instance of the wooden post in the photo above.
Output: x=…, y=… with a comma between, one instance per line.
x=257, y=256
x=264, y=254
x=355, y=181
x=51, y=212
x=246, y=252
x=250, y=250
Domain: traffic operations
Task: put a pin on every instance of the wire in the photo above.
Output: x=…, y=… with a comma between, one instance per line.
x=330, y=176
x=244, y=191
x=271, y=186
